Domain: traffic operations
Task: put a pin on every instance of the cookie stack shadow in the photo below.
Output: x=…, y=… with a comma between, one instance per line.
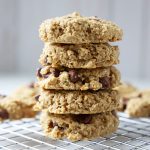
x=77, y=78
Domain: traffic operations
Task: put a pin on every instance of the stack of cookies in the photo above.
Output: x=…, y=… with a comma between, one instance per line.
x=77, y=77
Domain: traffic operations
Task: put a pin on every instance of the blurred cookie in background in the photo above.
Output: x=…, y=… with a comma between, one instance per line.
x=126, y=91
x=139, y=104
x=20, y=103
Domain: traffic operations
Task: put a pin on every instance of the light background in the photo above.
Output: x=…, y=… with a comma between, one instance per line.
x=20, y=45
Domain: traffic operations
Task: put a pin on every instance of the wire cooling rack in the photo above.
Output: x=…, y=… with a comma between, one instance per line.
x=132, y=134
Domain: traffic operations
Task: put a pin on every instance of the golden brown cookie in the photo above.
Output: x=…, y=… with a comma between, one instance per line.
x=79, y=55
x=126, y=91
x=76, y=29
x=79, y=127
x=78, y=79
x=139, y=104
x=19, y=104
x=78, y=102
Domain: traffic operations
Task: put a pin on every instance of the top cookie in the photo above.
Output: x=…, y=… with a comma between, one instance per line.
x=76, y=29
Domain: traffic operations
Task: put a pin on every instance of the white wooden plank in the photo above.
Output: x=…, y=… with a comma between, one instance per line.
x=8, y=34
x=144, y=57
x=33, y=12
x=98, y=8
x=128, y=14
x=146, y=38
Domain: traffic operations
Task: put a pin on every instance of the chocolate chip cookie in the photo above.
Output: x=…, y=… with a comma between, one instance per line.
x=19, y=104
x=79, y=127
x=78, y=102
x=126, y=91
x=126, y=88
x=77, y=29
x=138, y=104
x=78, y=79
x=79, y=55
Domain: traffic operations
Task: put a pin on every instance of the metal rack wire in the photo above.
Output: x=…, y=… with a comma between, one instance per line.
x=132, y=134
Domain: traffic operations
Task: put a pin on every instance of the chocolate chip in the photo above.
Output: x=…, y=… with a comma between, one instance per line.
x=75, y=52
x=37, y=97
x=140, y=95
x=124, y=102
x=4, y=114
x=105, y=81
x=85, y=80
x=82, y=118
x=88, y=30
x=51, y=125
x=92, y=91
x=31, y=85
x=46, y=61
x=61, y=128
x=73, y=76
x=54, y=124
x=56, y=72
x=61, y=31
x=114, y=113
x=40, y=75
x=124, y=107
x=39, y=72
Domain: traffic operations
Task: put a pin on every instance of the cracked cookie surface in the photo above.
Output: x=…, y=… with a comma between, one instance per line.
x=78, y=102
x=79, y=55
x=75, y=28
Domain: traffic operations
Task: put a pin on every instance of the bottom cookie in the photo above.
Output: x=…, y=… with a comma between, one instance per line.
x=79, y=127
